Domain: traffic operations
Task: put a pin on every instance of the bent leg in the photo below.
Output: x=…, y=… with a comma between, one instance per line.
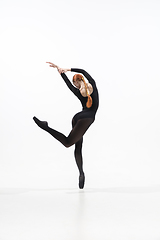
x=79, y=130
x=75, y=135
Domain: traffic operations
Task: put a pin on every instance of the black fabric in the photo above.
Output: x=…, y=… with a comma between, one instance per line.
x=75, y=135
x=86, y=112
x=80, y=122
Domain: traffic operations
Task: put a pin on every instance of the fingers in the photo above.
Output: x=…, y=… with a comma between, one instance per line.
x=60, y=70
x=52, y=64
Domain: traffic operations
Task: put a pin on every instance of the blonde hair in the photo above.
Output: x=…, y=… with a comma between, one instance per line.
x=79, y=77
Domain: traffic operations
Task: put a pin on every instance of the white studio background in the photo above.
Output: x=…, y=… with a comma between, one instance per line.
x=117, y=42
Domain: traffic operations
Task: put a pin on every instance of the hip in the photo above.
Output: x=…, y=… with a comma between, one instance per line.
x=84, y=114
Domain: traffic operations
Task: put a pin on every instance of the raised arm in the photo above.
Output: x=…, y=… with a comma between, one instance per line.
x=78, y=70
x=62, y=72
x=69, y=84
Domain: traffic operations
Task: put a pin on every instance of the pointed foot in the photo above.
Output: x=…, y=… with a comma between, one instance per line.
x=41, y=124
x=81, y=181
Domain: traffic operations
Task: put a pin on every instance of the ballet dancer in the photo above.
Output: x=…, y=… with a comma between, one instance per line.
x=87, y=93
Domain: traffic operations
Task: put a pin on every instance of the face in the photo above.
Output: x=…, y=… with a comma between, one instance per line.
x=77, y=84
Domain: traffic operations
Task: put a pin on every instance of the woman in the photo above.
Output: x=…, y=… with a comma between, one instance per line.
x=87, y=93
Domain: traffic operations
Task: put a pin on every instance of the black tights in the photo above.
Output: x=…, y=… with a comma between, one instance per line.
x=75, y=137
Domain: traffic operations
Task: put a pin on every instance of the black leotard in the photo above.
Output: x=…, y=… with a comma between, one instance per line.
x=86, y=112
x=80, y=122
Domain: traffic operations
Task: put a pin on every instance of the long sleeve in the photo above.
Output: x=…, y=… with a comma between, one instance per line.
x=69, y=84
x=83, y=100
x=94, y=95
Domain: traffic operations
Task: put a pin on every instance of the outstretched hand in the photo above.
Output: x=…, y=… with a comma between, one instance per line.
x=52, y=65
x=60, y=70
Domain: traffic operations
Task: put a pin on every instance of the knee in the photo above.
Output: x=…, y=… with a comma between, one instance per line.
x=67, y=145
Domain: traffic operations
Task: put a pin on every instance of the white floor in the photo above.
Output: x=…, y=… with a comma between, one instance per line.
x=122, y=213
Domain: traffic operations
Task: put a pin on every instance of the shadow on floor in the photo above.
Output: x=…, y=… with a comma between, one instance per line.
x=129, y=190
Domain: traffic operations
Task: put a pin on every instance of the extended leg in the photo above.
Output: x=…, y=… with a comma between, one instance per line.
x=75, y=135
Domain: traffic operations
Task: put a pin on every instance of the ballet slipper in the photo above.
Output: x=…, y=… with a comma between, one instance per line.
x=41, y=124
x=81, y=181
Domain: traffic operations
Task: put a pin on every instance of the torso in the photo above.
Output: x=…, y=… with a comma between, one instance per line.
x=86, y=112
